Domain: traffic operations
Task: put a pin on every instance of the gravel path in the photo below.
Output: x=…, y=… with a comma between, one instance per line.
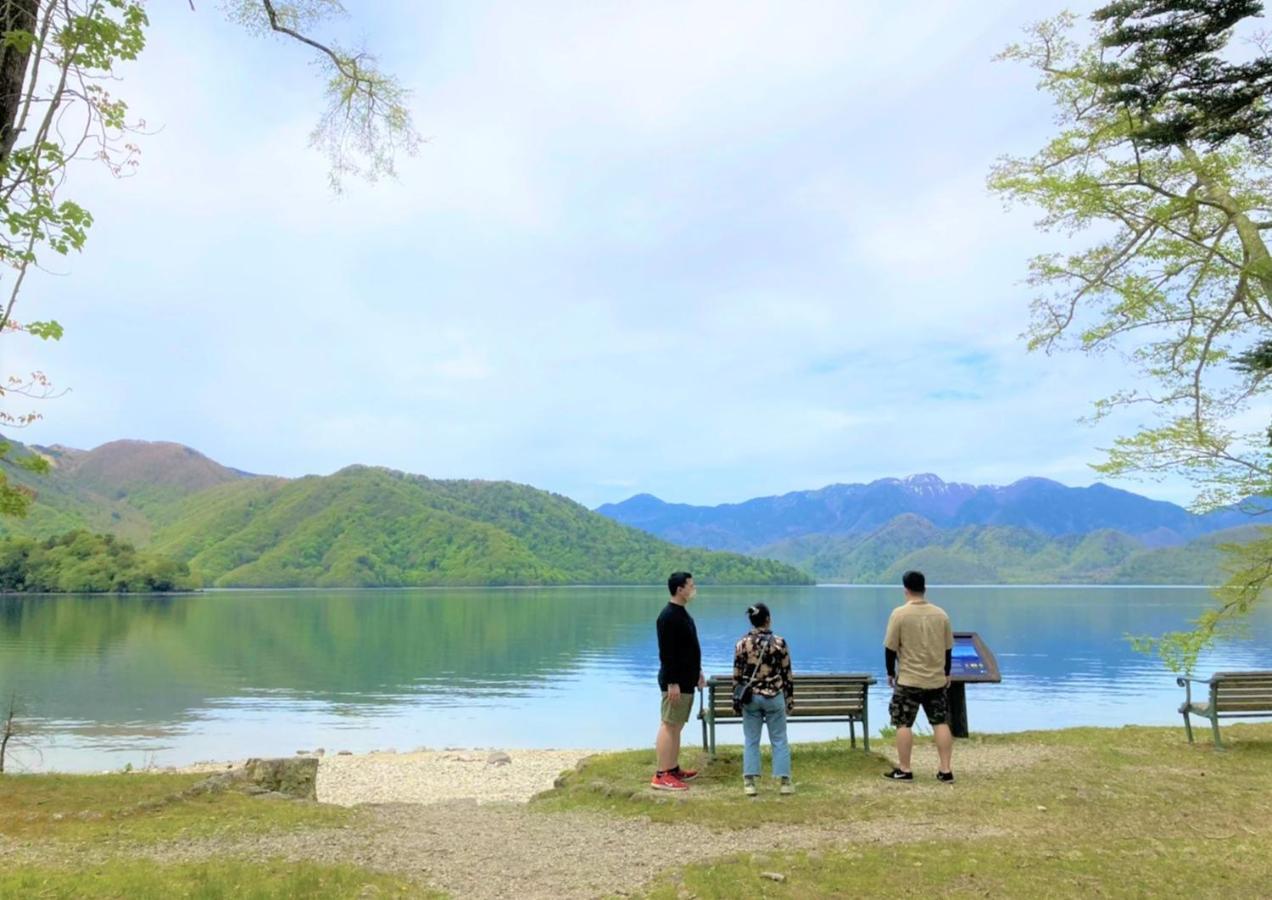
x=502, y=850
x=442, y=776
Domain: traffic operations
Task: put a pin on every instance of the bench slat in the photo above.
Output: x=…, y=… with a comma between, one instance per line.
x=1265, y=686
x=802, y=709
x=1245, y=696
x=1240, y=706
x=799, y=713
x=1225, y=686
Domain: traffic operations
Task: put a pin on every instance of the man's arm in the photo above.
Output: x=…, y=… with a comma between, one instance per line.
x=667, y=656
x=949, y=649
x=891, y=644
x=683, y=641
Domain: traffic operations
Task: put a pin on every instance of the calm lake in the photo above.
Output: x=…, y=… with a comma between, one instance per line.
x=108, y=681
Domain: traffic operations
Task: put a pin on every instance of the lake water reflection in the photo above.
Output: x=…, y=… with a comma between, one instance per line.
x=222, y=675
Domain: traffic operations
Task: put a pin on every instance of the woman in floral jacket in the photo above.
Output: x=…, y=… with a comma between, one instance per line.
x=762, y=660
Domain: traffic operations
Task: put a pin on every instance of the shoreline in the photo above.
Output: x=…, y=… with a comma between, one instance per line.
x=424, y=776
x=1002, y=585
x=514, y=776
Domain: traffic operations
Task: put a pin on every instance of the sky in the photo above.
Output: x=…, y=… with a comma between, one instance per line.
x=709, y=251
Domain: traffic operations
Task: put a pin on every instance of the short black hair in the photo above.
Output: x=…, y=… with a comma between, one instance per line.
x=914, y=582
x=677, y=581
x=758, y=614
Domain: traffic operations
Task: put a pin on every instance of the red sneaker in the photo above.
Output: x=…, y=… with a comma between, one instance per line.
x=667, y=782
x=685, y=774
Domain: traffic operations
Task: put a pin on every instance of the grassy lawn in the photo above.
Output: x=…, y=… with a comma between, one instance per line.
x=220, y=878
x=63, y=816
x=1081, y=812
x=1127, y=812
x=1008, y=867
x=143, y=808
x=619, y=783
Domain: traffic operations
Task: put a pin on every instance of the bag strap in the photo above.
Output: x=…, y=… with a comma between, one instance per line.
x=755, y=670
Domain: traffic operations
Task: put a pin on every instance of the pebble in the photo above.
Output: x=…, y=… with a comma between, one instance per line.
x=773, y=876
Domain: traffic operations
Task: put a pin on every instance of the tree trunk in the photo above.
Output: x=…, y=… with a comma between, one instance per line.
x=15, y=15
x=1258, y=261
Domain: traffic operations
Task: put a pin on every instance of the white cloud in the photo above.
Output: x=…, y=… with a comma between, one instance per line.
x=706, y=249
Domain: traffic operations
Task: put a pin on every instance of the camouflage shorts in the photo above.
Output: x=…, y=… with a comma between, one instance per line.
x=906, y=701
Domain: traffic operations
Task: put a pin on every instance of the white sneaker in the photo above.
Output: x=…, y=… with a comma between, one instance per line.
x=748, y=786
x=787, y=787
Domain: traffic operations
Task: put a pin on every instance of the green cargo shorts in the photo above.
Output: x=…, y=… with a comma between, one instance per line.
x=677, y=712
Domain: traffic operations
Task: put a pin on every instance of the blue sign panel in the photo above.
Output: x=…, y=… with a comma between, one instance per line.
x=971, y=660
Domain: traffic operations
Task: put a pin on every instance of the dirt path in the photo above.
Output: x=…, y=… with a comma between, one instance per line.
x=501, y=850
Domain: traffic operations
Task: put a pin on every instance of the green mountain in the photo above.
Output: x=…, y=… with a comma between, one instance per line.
x=1004, y=555
x=359, y=527
x=120, y=488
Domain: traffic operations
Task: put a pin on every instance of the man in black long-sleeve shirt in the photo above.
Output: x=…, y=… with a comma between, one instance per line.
x=679, y=673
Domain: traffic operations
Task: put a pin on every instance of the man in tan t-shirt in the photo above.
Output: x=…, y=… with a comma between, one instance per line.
x=917, y=651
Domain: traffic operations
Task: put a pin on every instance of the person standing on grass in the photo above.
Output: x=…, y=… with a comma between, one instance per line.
x=679, y=674
x=918, y=648
x=762, y=660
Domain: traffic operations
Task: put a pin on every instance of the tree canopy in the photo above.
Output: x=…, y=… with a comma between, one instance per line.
x=1160, y=163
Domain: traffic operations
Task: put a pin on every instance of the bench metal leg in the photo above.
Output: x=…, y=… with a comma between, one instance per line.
x=712, y=751
x=852, y=733
x=1188, y=728
x=1214, y=726
x=865, y=727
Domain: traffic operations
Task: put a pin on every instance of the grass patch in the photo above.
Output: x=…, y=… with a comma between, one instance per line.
x=217, y=878
x=1082, y=812
x=1150, y=867
x=1123, y=781
x=144, y=808
x=619, y=783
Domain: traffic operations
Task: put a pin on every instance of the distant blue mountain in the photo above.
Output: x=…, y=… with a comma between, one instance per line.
x=1038, y=504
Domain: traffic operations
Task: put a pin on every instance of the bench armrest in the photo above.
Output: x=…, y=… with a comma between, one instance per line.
x=1186, y=683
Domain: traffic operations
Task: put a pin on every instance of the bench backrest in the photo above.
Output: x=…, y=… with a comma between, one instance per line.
x=1242, y=691
x=835, y=696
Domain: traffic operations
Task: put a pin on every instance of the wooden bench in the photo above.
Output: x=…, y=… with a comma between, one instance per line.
x=818, y=698
x=1232, y=695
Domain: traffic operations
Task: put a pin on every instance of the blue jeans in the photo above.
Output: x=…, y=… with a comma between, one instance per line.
x=760, y=711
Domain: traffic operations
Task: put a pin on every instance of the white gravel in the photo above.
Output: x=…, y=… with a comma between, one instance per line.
x=440, y=776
